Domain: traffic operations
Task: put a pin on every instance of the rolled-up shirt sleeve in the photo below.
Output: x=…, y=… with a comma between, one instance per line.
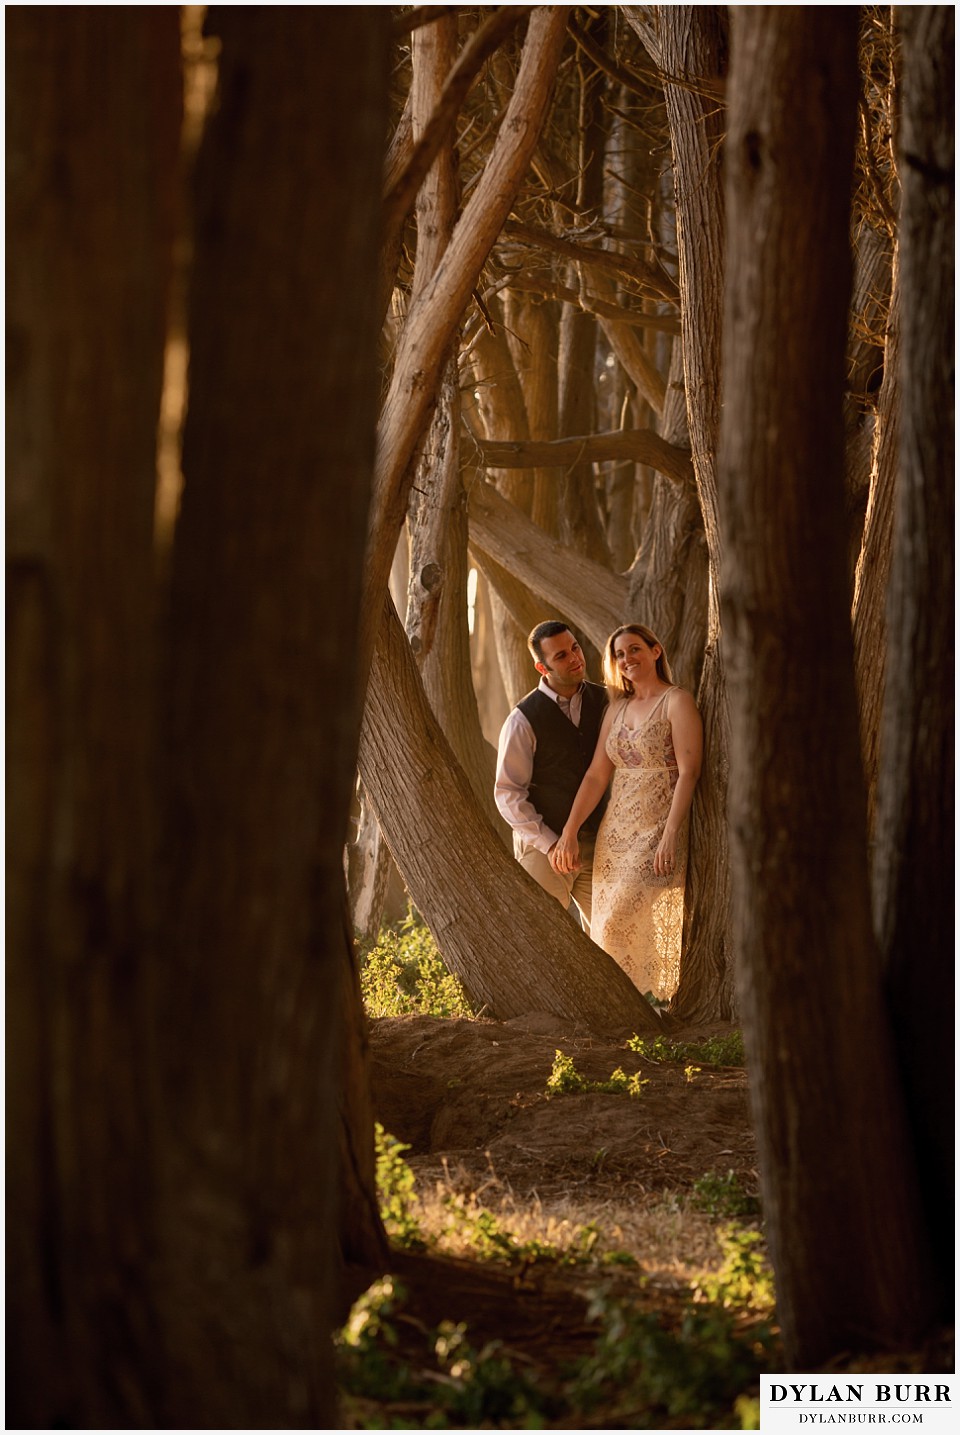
x=512, y=790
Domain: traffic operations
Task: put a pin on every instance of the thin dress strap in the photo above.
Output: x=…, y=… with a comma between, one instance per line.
x=659, y=703
x=618, y=723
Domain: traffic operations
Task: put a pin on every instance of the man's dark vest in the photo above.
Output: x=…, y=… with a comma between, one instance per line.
x=563, y=753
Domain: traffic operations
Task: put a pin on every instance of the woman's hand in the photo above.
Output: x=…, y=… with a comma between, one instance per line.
x=665, y=857
x=565, y=854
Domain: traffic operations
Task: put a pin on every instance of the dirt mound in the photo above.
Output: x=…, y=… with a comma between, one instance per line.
x=470, y=1098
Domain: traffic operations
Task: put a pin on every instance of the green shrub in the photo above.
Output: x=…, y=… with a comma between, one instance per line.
x=745, y=1280
x=565, y=1079
x=694, y=1375
x=404, y=972
x=395, y=1191
x=715, y=1051
x=449, y=1385
x=638, y=1374
x=564, y=1076
x=718, y=1195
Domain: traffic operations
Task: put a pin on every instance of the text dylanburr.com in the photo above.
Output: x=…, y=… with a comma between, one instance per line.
x=813, y=1402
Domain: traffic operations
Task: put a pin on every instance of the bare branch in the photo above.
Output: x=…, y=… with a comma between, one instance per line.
x=400, y=195
x=536, y=283
x=603, y=62
x=639, y=18
x=638, y=445
x=622, y=265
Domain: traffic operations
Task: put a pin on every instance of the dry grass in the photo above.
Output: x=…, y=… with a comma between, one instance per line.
x=672, y=1244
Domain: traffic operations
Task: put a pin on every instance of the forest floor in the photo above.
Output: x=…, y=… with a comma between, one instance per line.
x=597, y=1256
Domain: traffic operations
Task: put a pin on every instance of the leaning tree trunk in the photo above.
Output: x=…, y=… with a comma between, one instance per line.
x=436, y=607
x=836, y=1167
x=262, y=720
x=433, y=320
x=92, y=156
x=573, y=585
x=914, y=866
x=513, y=947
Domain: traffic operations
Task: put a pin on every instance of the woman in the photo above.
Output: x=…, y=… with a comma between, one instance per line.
x=651, y=744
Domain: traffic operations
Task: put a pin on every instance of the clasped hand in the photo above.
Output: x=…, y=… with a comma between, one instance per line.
x=565, y=855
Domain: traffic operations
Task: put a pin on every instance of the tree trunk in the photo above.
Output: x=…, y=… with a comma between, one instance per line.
x=491, y=693
x=580, y=590
x=668, y=582
x=580, y=518
x=262, y=721
x=437, y=598
x=410, y=157
x=432, y=322
x=498, y=401
x=367, y=865
x=436, y=607
x=836, y=1168
x=873, y=567
x=532, y=336
x=93, y=115
x=693, y=45
x=867, y=371
x=513, y=948
x=913, y=879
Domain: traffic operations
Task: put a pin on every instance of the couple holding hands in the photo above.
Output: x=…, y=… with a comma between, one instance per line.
x=617, y=849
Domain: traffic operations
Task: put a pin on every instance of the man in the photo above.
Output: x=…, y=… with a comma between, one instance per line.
x=546, y=745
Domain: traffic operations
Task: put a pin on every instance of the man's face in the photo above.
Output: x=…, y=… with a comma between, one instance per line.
x=563, y=663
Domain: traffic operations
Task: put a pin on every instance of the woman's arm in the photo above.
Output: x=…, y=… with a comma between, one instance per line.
x=565, y=856
x=687, y=732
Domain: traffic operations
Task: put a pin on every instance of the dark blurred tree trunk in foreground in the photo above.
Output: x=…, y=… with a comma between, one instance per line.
x=174, y=1064
x=263, y=713
x=914, y=875
x=837, y=1170
x=92, y=134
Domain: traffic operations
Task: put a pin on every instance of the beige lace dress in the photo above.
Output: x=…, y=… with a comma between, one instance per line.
x=638, y=917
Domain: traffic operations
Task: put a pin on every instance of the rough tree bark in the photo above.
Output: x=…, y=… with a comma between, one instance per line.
x=512, y=946
x=261, y=724
x=410, y=156
x=92, y=156
x=693, y=45
x=436, y=606
x=580, y=518
x=432, y=322
x=499, y=405
x=873, y=566
x=532, y=336
x=913, y=879
x=839, y=1195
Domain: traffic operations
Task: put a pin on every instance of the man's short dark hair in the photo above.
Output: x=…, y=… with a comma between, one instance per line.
x=550, y=629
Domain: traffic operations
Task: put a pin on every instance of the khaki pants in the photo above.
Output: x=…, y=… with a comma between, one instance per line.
x=566, y=886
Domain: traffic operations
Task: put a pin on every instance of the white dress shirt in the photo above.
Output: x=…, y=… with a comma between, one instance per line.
x=518, y=743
